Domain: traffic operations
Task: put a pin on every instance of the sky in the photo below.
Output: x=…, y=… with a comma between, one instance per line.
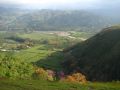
x=63, y=4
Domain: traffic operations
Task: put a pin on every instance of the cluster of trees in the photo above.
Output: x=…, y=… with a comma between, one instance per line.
x=56, y=42
x=14, y=68
x=21, y=43
x=41, y=73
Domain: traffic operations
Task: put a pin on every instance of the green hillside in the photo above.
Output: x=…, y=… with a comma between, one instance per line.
x=98, y=57
x=50, y=20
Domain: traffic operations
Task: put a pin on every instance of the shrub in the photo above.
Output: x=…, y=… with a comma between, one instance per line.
x=76, y=77
x=40, y=73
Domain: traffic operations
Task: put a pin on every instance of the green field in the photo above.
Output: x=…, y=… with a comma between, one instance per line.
x=42, y=56
x=45, y=85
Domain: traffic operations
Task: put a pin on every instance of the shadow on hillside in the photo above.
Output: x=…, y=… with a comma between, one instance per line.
x=52, y=61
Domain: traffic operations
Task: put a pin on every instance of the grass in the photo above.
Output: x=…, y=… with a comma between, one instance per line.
x=37, y=36
x=46, y=85
x=81, y=34
x=52, y=62
x=42, y=56
x=33, y=54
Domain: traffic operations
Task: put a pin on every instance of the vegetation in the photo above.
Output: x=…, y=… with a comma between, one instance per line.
x=26, y=53
x=97, y=57
x=77, y=78
x=22, y=52
x=14, y=68
x=47, y=85
x=32, y=56
x=51, y=20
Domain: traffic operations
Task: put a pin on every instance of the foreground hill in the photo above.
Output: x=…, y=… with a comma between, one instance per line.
x=98, y=57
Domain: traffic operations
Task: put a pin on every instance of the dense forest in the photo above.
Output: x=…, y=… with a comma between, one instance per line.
x=97, y=57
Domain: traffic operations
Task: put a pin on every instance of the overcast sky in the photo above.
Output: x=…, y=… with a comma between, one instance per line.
x=63, y=4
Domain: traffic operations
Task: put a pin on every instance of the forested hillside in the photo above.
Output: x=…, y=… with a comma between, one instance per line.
x=98, y=57
x=51, y=20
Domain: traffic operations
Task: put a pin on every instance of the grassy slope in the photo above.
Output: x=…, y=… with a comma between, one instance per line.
x=33, y=54
x=45, y=85
x=42, y=56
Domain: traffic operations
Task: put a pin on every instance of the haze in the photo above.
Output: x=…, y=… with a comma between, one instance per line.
x=63, y=4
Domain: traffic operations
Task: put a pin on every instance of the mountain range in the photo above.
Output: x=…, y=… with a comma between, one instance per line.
x=15, y=19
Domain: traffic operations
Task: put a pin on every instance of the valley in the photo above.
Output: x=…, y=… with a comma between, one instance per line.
x=37, y=46
x=59, y=49
x=44, y=49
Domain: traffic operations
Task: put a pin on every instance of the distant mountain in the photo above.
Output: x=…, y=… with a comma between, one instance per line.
x=112, y=14
x=8, y=15
x=17, y=20
x=98, y=57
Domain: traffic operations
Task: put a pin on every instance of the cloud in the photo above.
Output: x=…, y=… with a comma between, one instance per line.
x=64, y=4
x=46, y=1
